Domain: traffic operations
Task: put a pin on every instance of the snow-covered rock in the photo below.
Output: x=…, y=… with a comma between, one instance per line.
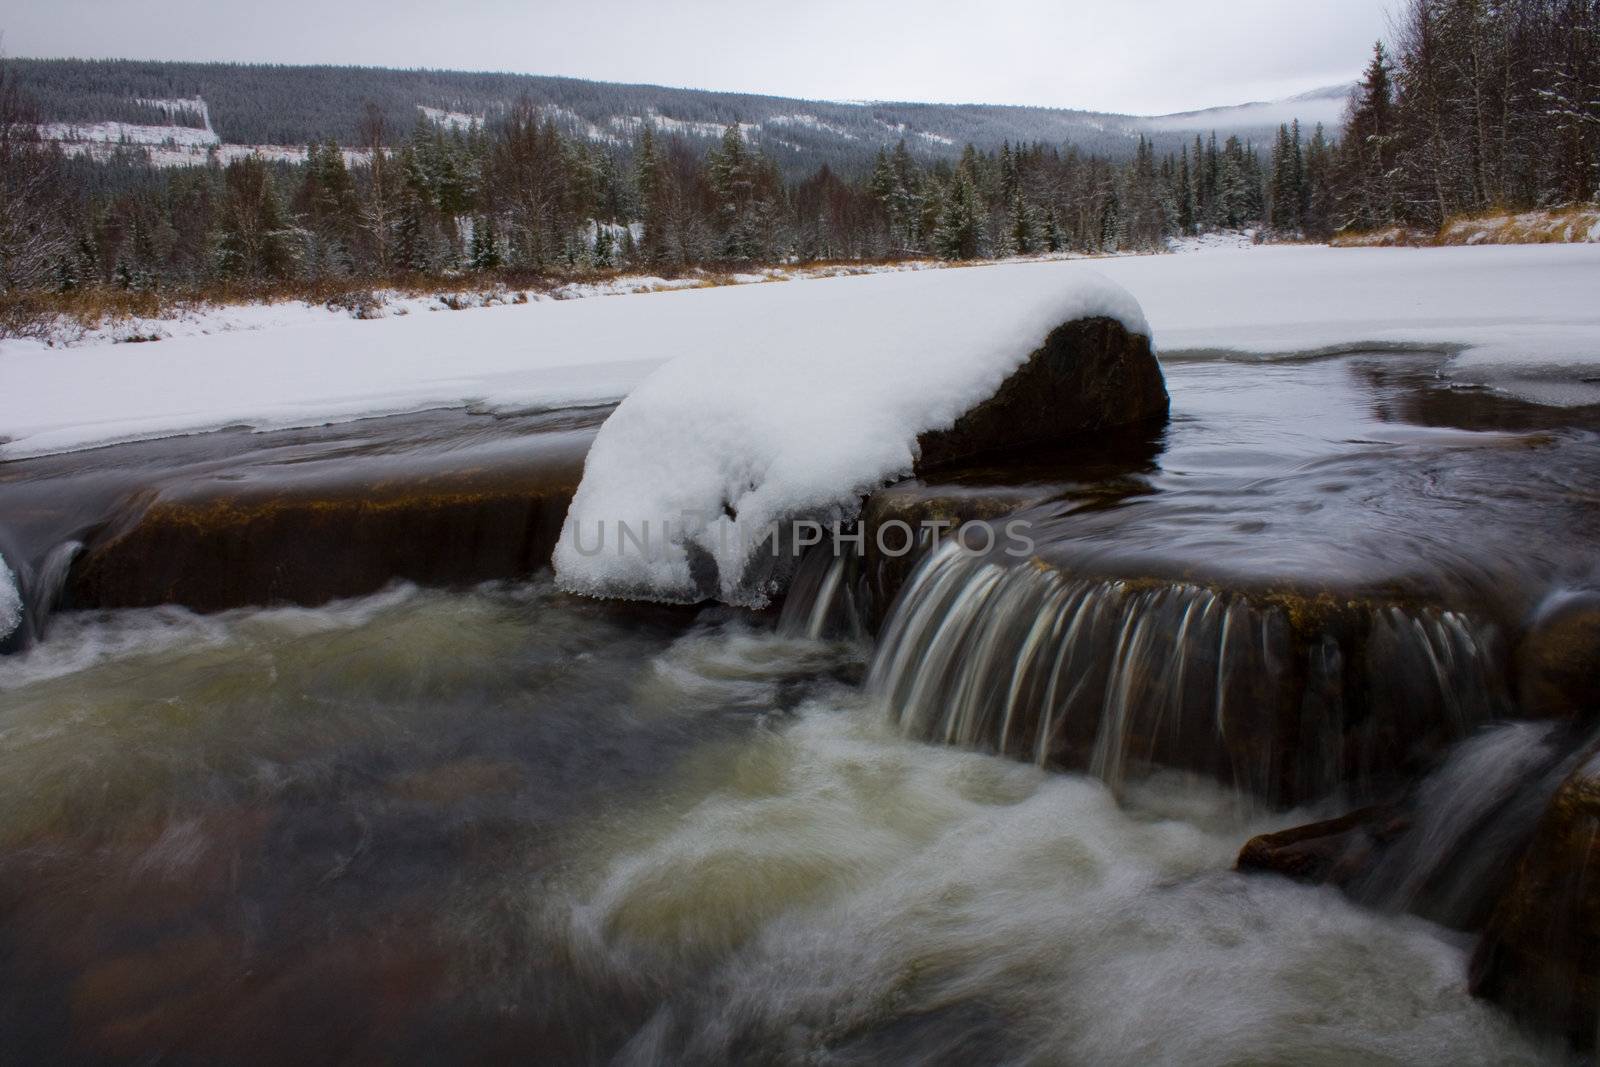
x=10, y=602
x=797, y=417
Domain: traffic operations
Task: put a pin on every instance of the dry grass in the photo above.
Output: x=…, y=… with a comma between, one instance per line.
x=1563, y=225
x=51, y=315
x=1388, y=237
x=1566, y=225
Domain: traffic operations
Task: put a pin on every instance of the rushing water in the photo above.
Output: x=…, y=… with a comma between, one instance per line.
x=500, y=823
x=431, y=825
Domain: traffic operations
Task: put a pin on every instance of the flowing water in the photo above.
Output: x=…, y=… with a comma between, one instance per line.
x=497, y=822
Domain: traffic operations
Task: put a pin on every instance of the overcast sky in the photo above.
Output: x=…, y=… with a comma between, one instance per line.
x=1138, y=56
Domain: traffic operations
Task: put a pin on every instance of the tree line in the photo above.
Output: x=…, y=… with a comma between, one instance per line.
x=1479, y=105
x=520, y=195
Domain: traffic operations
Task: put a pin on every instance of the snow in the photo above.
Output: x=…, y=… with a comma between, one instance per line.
x=666, y=125
x=10, y=601
x=1212, y=242
x=1521, y=317
x=1522, y=305
x=811, y=122
x=793, y=407
x=113, y=133
x=451, y=120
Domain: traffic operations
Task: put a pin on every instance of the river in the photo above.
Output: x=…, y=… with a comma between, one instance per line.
x=492, y=821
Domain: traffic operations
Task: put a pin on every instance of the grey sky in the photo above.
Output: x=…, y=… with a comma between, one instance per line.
x=1140, y=56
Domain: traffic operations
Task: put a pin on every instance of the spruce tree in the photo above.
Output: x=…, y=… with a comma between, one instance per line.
x=960, y=226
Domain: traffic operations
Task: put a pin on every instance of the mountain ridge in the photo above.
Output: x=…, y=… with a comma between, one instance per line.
x=290, y=104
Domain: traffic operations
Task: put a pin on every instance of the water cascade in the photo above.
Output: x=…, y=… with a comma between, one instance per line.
x=28, y=595
x=1287, y=698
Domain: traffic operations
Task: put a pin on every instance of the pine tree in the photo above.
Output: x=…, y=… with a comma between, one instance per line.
x=1368, y=145
x=1111, y=231
x=1052, y=231
x=650, y=179
x=960, y=225
x=255, y=238
x=1185, y=196
x=485, y=248
x=604, y=246
x=1024, y=225
x=1319, y=197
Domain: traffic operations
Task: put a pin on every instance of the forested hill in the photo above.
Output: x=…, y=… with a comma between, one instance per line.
x=292, y=105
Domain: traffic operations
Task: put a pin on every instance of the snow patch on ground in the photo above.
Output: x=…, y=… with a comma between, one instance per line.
x=451, y=120
x=10, y=601
x=797, y=410
x=1213, y=242
x=811, y=122
x=119, y=133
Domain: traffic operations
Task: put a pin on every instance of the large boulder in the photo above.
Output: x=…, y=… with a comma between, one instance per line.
x=1540, y=954
x=1089, y=375
x=1558, y=659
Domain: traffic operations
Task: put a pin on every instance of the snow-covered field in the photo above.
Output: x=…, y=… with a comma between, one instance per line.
x=1522, y=317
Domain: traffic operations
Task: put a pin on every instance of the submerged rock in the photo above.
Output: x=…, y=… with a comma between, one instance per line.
x=1540, y=955
x=1338, y=852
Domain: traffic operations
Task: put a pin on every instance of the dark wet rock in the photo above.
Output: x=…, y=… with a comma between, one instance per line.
x=218, y=544
x=1090, y=379
x=1540, y=955
x=1558, y=659
x=1337, y=852
x=1089, y=375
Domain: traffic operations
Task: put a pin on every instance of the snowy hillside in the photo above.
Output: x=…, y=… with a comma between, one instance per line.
x=278, y=107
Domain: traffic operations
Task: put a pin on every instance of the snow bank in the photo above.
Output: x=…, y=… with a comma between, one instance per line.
x=10, y=601
x=799, y=414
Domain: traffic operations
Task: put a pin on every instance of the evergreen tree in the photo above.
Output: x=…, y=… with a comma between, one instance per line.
x=484, y=254
x=1024, y=225
x=1369, y=140
x=255, y=238
x=960, y=225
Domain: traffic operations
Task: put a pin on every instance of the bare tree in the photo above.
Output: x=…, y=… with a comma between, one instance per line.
x=33, y=235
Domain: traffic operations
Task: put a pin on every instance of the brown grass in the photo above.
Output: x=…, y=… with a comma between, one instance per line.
x=44, y=314
x=1501, y=226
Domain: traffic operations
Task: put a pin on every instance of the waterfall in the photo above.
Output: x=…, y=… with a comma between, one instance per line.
x=822, y=601
x=1110, y=675
x=28, y=595
x=1471, y=819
